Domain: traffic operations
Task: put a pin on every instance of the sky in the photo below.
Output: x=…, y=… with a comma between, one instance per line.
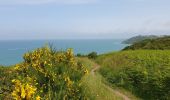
x=83, y=19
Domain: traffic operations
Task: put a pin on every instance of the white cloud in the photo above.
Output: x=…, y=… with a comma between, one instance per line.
x=35, y=2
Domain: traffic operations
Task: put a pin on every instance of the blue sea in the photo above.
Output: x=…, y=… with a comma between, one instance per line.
x=11, y=51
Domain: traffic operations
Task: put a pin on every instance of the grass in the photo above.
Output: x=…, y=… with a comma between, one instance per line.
x=145, y=73
x=85, y=61
x=95, y=88
x=94, y=85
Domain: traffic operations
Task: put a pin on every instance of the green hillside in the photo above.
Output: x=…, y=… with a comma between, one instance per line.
x=139, y=38
x=162, y=43
x=145, y=73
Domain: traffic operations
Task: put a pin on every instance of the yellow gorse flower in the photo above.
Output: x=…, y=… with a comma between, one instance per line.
x=22, y=91
x=16, y=67
x=68, y=81
x=38, y=98
x=86, y=71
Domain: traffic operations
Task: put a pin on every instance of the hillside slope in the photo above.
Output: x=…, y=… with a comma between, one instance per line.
x=95, y=86
x=139, y=38
x=145, y=73
x=162, y=43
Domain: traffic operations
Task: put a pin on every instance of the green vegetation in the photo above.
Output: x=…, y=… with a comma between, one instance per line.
x=139, y=39
x=92, y=55
x=145, y=73
x=162, y=43
x=93, y=84
x=6, y=75
x=80, y=55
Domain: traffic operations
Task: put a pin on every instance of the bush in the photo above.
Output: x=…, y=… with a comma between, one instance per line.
x=92, y=55
x=80, y=55
x=47, y=74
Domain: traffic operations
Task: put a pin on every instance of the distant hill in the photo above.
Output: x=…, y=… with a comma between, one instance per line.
x=139, y=38
x=161, y=43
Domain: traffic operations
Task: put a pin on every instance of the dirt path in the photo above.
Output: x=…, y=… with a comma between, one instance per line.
x=96, y=67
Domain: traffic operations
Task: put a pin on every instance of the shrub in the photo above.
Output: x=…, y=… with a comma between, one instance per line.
x=47, y=74
x=92, y=55
x=80, y=55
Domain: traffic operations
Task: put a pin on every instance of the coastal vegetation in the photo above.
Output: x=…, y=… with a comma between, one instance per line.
x=145, y=73
x=139, y=38
x=162, y=43
x=44, y=74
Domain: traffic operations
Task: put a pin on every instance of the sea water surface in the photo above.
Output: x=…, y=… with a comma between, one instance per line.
x=11, y=51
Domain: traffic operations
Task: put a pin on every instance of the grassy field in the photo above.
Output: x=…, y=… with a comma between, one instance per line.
x=145, y=73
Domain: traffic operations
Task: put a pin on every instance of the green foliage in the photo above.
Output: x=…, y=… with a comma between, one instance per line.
x=92, y=55
x=139, y=39
x=80, y=55
x=162, y=43
x=6, y=75
x=145, y=73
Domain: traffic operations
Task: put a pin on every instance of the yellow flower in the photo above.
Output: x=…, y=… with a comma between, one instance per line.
x=16, y=67
x=45, y=62
x=22, y=91
x=38, y=98
x=68, y=81
x=23, y=94
x=86, y=71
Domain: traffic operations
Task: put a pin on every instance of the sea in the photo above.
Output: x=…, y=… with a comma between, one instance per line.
x=12, y=51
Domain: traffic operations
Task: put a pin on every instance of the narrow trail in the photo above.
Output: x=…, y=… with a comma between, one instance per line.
x=96, y=67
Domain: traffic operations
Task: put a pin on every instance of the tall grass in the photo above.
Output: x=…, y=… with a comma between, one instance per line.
x=93, y=84
x=146, y=73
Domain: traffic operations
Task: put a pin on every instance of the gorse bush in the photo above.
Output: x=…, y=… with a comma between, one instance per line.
x=48, y=74
x=145, y=73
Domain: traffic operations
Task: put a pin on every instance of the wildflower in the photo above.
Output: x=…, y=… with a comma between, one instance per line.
x=16, y=67
x=22, y=91
x=38, y=98
x=23, y=94
x=68, y=81
x=45, y=62
x=69, y=54
x=86, y=71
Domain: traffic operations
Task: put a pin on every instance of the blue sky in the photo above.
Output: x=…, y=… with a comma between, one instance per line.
x=77, y=19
